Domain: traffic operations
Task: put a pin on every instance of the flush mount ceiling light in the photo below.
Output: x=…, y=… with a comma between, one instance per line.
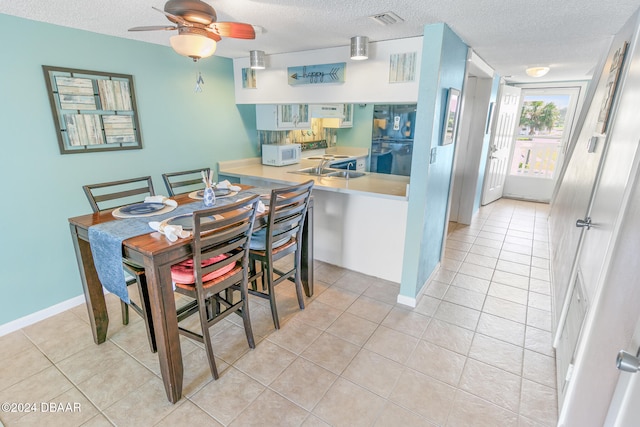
x=256, y=59
x=359, y=48
x=537, y=71
x=194, y=46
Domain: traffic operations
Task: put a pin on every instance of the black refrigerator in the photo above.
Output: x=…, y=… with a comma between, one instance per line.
x=392, y=138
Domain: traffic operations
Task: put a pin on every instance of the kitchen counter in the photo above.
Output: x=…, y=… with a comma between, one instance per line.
x=359, y=224
x=372, y=184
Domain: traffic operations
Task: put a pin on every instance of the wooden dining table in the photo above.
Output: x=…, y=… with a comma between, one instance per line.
x=157, y=254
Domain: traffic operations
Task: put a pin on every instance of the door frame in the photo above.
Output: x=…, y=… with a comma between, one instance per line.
x=472, y=137
x=576, y=104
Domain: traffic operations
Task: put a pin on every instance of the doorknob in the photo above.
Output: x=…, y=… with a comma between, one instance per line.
x=581, y=223
x=628, y=362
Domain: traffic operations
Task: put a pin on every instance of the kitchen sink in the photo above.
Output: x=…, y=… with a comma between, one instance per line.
x=329, y=172
x=314, y=171
x=346, y=174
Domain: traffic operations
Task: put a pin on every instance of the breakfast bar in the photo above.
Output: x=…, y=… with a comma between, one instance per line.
x=359, y=223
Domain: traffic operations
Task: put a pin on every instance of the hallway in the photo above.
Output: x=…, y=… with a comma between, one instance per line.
x=476, y=351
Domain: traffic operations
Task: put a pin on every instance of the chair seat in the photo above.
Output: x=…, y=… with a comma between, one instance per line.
x=235, y=269
x=183, y=272
x=259, y=241
x=281, y=247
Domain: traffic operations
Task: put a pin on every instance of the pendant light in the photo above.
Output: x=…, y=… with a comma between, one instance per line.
x=359, y=48
x=256, y=59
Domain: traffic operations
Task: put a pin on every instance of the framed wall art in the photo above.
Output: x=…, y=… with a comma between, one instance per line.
x=450, y=127
x=316, y=74
x=249, y=78
x=92, y=110
x=402, y=67
x=612, y=83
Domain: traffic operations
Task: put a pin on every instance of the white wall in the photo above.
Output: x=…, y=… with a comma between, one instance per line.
x=365, y=81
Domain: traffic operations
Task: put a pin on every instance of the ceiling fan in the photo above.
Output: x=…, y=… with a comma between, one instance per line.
x=198, y=28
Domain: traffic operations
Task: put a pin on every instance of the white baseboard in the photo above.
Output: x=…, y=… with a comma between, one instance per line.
x=32, y=318
x=411, y=302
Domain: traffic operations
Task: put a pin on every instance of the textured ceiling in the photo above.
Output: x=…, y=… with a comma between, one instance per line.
x=567, y=35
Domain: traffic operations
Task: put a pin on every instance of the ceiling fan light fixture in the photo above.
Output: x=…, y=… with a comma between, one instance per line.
x=194, y=46
x=256, y=59
x=537, y=71
x=359, y=48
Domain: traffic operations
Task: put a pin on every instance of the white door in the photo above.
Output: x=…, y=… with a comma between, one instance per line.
x=500, y=148
x=544, y=128
x=607, y=261
x=624, y=409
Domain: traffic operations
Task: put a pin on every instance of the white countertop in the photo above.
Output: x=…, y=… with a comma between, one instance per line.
x=372, y=184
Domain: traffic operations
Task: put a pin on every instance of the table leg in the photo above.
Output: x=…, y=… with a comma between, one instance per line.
x=165, y=324
x=307, y=251
x=92, y=288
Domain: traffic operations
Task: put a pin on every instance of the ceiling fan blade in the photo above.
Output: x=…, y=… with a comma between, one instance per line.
x=174, y=18
x=238, y=30
x=153, y=28
x=212, y=35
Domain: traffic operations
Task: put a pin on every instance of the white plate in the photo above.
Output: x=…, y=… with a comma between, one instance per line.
x=121, y=212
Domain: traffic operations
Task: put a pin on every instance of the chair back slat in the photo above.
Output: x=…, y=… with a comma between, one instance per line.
x=230, y=236
x=287, y=211
x=113, y=194
x=184, y=181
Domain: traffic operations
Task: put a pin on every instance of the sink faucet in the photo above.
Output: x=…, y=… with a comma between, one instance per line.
x=321, y=165
x=348, y=166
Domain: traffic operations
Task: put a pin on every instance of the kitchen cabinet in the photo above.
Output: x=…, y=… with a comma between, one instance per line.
x=282, y=116
x=347, y=121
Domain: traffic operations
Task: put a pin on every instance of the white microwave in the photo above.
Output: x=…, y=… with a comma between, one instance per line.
x=281, y=155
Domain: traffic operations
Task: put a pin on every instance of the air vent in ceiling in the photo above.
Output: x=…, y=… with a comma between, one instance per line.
x=387, y=18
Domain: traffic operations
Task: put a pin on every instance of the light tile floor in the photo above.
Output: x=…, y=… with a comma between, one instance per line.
x=476, y=351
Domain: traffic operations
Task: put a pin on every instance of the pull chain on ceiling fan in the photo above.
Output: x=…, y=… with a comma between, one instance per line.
x=198, y=29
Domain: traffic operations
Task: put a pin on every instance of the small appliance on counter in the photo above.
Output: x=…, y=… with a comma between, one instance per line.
x=281, y=155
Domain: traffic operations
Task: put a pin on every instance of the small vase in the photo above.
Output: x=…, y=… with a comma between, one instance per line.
x=209, y=197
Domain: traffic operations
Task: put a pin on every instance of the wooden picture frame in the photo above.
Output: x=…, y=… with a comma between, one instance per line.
x=92, y=110
x=450, y=124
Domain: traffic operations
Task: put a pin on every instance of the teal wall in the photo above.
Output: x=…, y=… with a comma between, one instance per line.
x=443, y=66
x=181, y=129
x=484, y=156
x=360, y=134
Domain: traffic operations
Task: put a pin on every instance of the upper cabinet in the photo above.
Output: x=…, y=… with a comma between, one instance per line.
x=347, y=121
x=283, y=117
x=298, y=116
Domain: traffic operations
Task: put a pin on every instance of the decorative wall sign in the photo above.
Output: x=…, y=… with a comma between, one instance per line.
x=317, y=74
x=249, y=78
x=92, y=111
x=451, y=117
x=402, y=67
x=492, y=106
x=612, y=83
